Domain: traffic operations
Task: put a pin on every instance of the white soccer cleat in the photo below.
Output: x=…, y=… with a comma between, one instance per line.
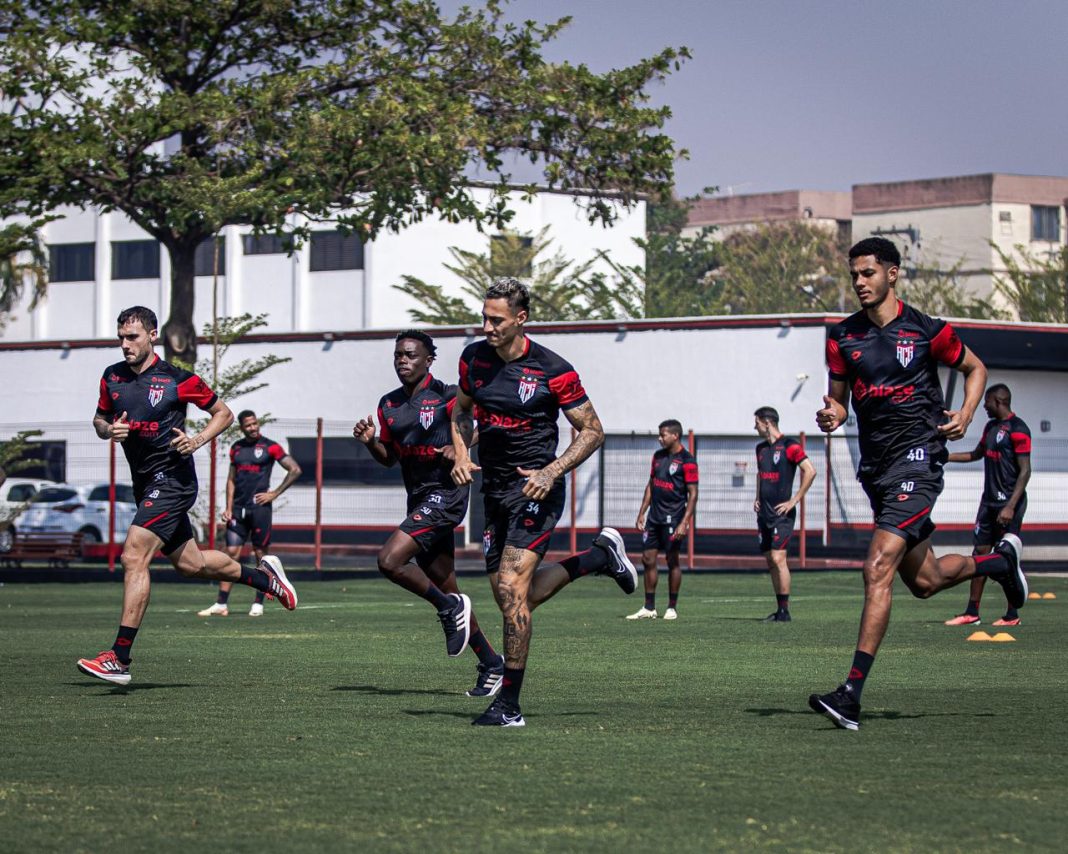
x=256, y=610
x=671, y=614
x=643, y=613
x=216, y=610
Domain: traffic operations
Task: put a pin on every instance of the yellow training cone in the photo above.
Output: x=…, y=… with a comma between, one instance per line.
x=1034, y=595
x=1049, y=595
x=1002, y=637
x=979, y=636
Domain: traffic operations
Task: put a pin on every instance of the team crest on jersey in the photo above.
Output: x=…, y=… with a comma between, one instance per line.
x=426, y=416
x=905, y=353
x=257, y=453
x=674, y=467
x=527, y=387
x=776, y=457
x=999, y=437
x=155, y=395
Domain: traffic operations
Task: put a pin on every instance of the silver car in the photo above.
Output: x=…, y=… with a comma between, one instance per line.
x=68, y=508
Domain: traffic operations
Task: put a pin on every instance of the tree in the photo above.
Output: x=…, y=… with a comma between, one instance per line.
x=1037, y=287
x=940, y=293
x=189, y=116
x=559, y=289
x=22, y=262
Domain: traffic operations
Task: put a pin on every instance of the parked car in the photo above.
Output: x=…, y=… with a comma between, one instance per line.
x=15, y=496
x=69, y=508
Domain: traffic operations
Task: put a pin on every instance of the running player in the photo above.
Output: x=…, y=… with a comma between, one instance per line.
x=1005, y=448
x=416, y=430
x=886, y=357
x=670, y=499
x=142, y=406
x=250, y=501
x=519, y=388
x=778, y=459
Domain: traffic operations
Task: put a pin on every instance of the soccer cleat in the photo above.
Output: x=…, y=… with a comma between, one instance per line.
x=216, y=610
x=671, y=614
x=840, y=706
x=777, y=617
x=456, y=622
x=619, y=565
x=500, y=713
x=281, y=589
x=1013, y=582
x=1007, y=621
x=489, y=680
x=964, y=620
x=256, y=610
x=643, y=613
x=106, y=666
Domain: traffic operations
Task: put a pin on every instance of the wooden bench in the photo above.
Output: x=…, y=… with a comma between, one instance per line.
x=56, y=549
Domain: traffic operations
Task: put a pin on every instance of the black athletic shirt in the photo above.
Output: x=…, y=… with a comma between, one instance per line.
x=517, y=404
x=415, y=428
x=893, y=380
x=777, y=464
x=252, y=462
x=1002, y=445
x=154, y=402
x=669, y=475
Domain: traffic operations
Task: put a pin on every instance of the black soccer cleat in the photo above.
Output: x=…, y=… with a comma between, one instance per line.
x=619, y=566
x=1013, y=582
x=777, y=617
x=456, y=622
x=840, y=706
x=489, y=681
x=500, y=713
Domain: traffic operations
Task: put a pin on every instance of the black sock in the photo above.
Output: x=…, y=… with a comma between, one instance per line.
x=123, y=642
x=483, y=648
x=991, y=564
x=260, y=596
x=973, y=608
x=783, y=600
x=435, y=597
x=1011, y=613
x=255, y=578
x=223, y=597
x=584, y=563
x=673, y=599
x=512, y=684
x=858, y=673
x=650, y=601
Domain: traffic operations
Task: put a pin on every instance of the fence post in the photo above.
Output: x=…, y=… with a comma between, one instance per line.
x=600, y=487
x=319, y=493
x=827, y=492
x=211, y=498
x=693, y=521
x=803, y=542
x=111, y=506
x=574, y=511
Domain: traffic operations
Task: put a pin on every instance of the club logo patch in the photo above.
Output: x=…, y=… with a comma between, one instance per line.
x=257, y=453
x=905, y=353
x=776, y=457
x=999, y=437
x=674, y=467
x=426, y=416
x=527, y=387
x=155, y=395
x=487, y=541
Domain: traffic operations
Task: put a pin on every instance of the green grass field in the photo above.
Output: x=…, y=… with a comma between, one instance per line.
x=343, y=726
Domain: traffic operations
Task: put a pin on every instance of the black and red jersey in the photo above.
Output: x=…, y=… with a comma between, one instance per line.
x=416, y=428
x=252, y=462
x=777, y=464
x=154, y=402
x=892, y=374
x=517, y=404
x=1002, y=444
x=669, y=475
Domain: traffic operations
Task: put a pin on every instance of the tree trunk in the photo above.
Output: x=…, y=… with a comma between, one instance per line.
x=179, y=334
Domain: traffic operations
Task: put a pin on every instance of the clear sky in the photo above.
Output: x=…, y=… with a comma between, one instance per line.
x=814, y=94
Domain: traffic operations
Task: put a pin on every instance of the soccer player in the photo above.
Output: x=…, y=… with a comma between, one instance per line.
x=416, y=430
x=1005, y=448
x=670, y=499
x=778, y=459
x=249, y=502
x=886, y=357
x=519, y=389
x=142, y=406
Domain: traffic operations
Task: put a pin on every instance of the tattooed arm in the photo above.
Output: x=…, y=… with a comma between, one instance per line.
x=463, y=432
x=589, y=438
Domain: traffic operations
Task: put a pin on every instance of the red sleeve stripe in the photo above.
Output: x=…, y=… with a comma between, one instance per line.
x=465, y=383
x=103, y=405
x=689, y=472
x=450, y=406
x=836, y=365
x=1021, y=443
x=947, y=347
x=384, y=434
x=195, y=390
x=795, y=454
x=276, y=452
x=568, y=390
x=233, y=453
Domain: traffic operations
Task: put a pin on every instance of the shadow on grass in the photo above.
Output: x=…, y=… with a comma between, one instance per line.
x=886, y=715
x=394, y=692
x=474, y=713
x=129, y=689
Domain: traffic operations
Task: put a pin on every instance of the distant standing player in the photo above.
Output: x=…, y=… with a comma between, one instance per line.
x=778, y=459
x=415, y=423
x=142, y=406
x=670, y=499
x=886, y=357
x=519, y=389
x=250, y=502
x=1005, y=449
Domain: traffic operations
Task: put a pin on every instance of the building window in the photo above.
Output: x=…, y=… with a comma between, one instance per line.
x=332, y=250
x=1045, y=222
x=510, y=255
x=72, y=262
x=204, y=261
x=345, y=463
x=266, y=244
x=135, y=259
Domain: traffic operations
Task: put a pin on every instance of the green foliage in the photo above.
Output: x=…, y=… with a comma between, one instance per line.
x=22, y=261
x=940, y=293
x=188, y=116
x=13, y=452
x=1037, y=287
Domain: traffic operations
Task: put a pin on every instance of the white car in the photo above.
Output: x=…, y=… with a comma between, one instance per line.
x=67, y=508
x=15, y=496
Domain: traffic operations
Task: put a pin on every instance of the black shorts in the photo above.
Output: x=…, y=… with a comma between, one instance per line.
x=163, y=507
x=432, y=519
x=515, y=520
x=774, y=533
x=658, y=537
x=988, y=531
x=250, y=522
x=903, y=505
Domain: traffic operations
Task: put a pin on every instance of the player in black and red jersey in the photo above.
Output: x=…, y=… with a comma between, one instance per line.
x=416, y=431
x=249, y=502
x=518, y=389
x=142, y=405
x=778, y=459
x=670, y=499
x=886, y=357
x=1005, y=449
